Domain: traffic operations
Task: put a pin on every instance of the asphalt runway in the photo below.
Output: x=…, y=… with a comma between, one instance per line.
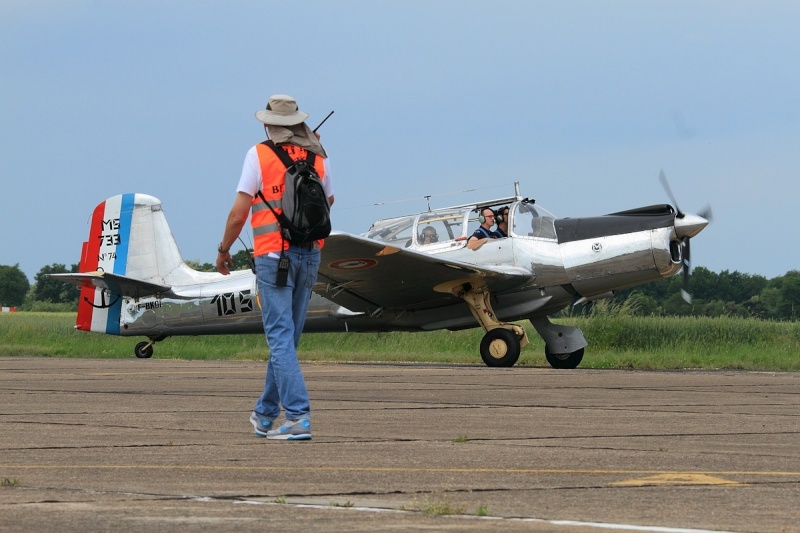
x=123, y=445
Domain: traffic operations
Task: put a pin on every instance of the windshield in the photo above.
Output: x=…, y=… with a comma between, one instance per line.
x=531, y=220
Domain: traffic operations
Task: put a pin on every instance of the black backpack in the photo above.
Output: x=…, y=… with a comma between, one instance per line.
x=306, y=215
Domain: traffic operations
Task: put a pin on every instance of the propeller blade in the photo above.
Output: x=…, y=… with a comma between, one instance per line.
x=667, y=188
x=706, y=213
x=686, y=226
x=687, y=266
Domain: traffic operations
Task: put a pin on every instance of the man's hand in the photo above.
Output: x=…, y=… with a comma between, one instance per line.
x=236, y=219
x=224, y=262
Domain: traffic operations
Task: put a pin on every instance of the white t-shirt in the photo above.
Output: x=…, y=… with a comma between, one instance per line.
x=250, y=180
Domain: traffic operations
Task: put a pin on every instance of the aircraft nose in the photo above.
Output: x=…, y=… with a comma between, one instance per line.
x=689, y=225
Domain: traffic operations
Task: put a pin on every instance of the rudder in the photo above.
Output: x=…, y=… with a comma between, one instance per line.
x=106, y=251
x=128, y=236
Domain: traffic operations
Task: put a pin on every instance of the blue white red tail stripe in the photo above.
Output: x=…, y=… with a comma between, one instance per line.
x=107, y=251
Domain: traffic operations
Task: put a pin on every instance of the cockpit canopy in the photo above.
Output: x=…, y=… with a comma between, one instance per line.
x=450, y=227
x=531, y=220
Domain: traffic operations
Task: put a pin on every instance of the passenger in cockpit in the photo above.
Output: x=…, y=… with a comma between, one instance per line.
x=501, y=217
x=428, y=235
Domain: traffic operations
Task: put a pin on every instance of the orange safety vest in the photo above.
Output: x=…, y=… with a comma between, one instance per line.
x=266, y=231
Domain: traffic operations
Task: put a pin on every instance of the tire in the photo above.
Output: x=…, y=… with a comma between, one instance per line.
x=564, y=360
x=500, y=348
x=143, y=350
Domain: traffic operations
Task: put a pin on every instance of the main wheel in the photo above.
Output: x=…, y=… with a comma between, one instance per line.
x=143, y=350
x=500, y=347
x=564, y=360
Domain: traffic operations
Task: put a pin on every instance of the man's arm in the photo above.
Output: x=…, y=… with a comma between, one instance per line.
x=474, y=242
x=233, y=227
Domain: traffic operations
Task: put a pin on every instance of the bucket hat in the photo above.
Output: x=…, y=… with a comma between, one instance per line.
x=281, y=111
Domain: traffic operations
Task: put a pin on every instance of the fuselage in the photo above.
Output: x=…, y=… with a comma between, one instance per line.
x=568, y=260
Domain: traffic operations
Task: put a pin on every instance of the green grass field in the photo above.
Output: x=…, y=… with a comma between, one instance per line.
x=615, y=341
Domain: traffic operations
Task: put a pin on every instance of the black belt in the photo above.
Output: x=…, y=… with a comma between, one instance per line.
x=306, y=245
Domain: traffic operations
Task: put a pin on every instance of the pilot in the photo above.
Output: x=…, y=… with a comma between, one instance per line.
x=502, y=223
x=428, y=235
x=484, y=231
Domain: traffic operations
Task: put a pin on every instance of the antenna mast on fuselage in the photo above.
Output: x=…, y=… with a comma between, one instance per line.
x=479, y=205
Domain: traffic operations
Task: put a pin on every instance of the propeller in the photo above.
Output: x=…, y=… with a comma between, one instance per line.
x=706, y=213
x=665, y=184
x=687, y=267
x=686, y=227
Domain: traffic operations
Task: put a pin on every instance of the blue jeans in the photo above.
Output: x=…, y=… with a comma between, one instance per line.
x=283, y=313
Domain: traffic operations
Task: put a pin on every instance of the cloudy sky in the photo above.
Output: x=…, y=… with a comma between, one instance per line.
x=583, y=102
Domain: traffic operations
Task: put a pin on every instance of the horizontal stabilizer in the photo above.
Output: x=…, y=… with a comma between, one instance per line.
x=113, y=283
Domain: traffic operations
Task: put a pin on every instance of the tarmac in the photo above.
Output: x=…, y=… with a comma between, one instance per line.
x=166, y=445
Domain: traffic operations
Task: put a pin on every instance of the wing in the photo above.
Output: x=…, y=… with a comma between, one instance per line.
x=114, y=283
x=365, y=275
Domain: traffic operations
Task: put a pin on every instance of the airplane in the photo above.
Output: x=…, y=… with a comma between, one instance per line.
x=134, y=281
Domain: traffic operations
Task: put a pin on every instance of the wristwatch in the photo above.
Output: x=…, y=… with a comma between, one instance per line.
x=220, y=250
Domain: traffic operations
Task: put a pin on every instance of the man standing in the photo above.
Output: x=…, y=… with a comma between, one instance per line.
x=283, y=304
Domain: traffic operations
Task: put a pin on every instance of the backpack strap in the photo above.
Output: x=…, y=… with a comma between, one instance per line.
x=284, y=157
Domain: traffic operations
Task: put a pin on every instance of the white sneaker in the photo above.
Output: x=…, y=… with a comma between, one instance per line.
x=292, y=430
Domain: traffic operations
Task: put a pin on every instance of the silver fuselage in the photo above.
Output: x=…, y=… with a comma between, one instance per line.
x=568, y=260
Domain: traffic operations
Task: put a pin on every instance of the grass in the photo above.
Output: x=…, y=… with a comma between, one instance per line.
x=616, y=340
x=435, y=504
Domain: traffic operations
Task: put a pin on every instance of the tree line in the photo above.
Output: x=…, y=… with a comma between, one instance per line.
x=714, y=294
x=48, y=294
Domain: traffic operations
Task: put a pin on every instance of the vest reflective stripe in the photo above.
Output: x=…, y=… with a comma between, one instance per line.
x=261, y=206
x=263, y=230
x=266, y=231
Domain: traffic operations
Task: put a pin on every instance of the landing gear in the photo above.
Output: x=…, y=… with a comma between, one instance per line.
x=563, y=344
x=503, y=341
x=144, y=350
x=500, y=347
x=564, y=360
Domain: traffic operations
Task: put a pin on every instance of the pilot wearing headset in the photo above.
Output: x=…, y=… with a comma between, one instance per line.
x=501, y=217
x=484, y=231
x=428, y=235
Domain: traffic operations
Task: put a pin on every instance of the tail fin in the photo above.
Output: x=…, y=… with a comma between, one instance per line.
x=128, y=236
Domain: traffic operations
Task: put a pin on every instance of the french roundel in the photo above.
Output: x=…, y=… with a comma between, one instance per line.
x=353, y=264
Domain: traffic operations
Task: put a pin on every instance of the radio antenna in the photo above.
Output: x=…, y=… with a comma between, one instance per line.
x=323, y=122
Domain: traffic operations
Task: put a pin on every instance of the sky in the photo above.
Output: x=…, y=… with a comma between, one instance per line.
x=584, y=102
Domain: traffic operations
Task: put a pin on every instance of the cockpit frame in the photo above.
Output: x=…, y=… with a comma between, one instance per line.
x=453, y=225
